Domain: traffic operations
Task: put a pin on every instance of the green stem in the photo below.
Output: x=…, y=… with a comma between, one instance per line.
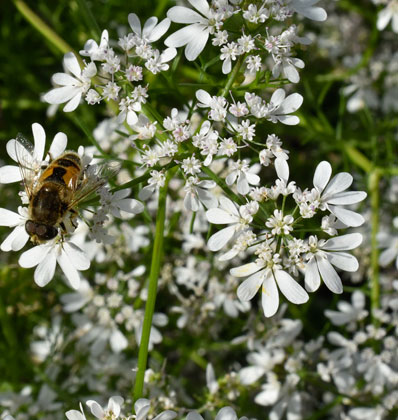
x=374, y=181
x=42, y=27
x=232, y=75
x=152, y=289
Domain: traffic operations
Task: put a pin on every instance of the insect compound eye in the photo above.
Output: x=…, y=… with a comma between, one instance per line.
x=46, y=232
x=30, y=227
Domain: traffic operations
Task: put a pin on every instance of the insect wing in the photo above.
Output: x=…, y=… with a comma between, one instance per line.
x=22, y=151
x=95, y=177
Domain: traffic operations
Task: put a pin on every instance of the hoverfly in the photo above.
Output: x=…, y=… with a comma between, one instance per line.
x=55, y=188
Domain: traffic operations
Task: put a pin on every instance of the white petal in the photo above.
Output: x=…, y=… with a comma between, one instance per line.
x=39, y=136
x=71, y=63
x=315, y=13
x=73, y=103
x=220, y=216
x=196, y=45
x=60, y=95
x=339, y=183
x=168, y=54
x=291, y=73
x=135, y=23
x=64, y=79
x=290, y=288
x=219, y=239
x=114, y=404
x=245, y=270
x=344, y=261
x=166, y=415
x=278, y=96
x=228, y=205
x=288, y=119
x=10, y=173
x=322, y=175
x=226, y=413
x=191, y=202
x=242, y=185
x=344, y=242
x=247, y=290
x=76, y=255
x=141, y=408
x=9, y=218
x=130, y=205
x=387, y=256
x=232, y=253
x=383, y=18
x=74, y=415
x=329, y=275
x=231, y=178
x=269, y=296
x=269, y=396
x=181, y=37
x=201, y=5
x=282, y=169
x=207, y=198
x=34, y=256
x=180, y=14
x=96, y=409
x=193, y=415
x=69, y=270
x=16, y=240
x=348, y=197
x=58, y=145
x=291, y=104
x=312, y=278
x=45, y=270
x=250, y=374
x=226, y=66
x=203, y=96
x=20, y=237
x=148, y=26
x=348, y=217
x=118, y=341
x=159, y=30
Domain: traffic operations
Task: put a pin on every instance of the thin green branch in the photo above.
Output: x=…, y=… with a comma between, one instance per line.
x=42, y=27
x=152, y=290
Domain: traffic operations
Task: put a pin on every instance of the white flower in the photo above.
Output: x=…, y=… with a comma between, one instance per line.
x=71, y=86
x=217, y=104
x=157, y=62
x=196, y=34
x=243, y=175
x=118, y=205
x=280, y=105
x=229, y=53
x=390, y=12
x=32, y=159
x=267, y=273
x=69, y=256
x=142, y=407
x=332, y=195
x=323, y=255
x=307, y=9
x=111, y=412
x=390, y=243
x=93, y=50
x=196, y=193
x=348, y=314
x=75, y=415
x=226, y=214
x=226, y=413
x=152, y=30
x=17, y=239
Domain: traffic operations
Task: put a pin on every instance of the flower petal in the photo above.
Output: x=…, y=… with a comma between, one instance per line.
x=196, y=45
x=348, y=197
x=45, y=270
x=219, y=239
x=220, y=217
x=58, y=145
x=245, y=270
x=290, y=288
x=39, y=136
x=348, y=217
x=250, y=374
x=166, y=415
x=247, y=290
x=71, y=63
x=96, y=409
x=34, y=256
x=343, y=242
x=76, y=255
x=329, y=275
x=339, y=183
x=312, y=278
x=10, y=173
x=180, y=14
x=322, y=175
x=343, y=261
x=269, y=296
x=159, y=30
x=71, y=274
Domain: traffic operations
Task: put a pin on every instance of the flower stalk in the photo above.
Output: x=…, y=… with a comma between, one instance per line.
x=152, y=290
x=374, y=181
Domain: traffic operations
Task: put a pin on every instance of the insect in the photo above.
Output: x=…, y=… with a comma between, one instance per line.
x=55, y=189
